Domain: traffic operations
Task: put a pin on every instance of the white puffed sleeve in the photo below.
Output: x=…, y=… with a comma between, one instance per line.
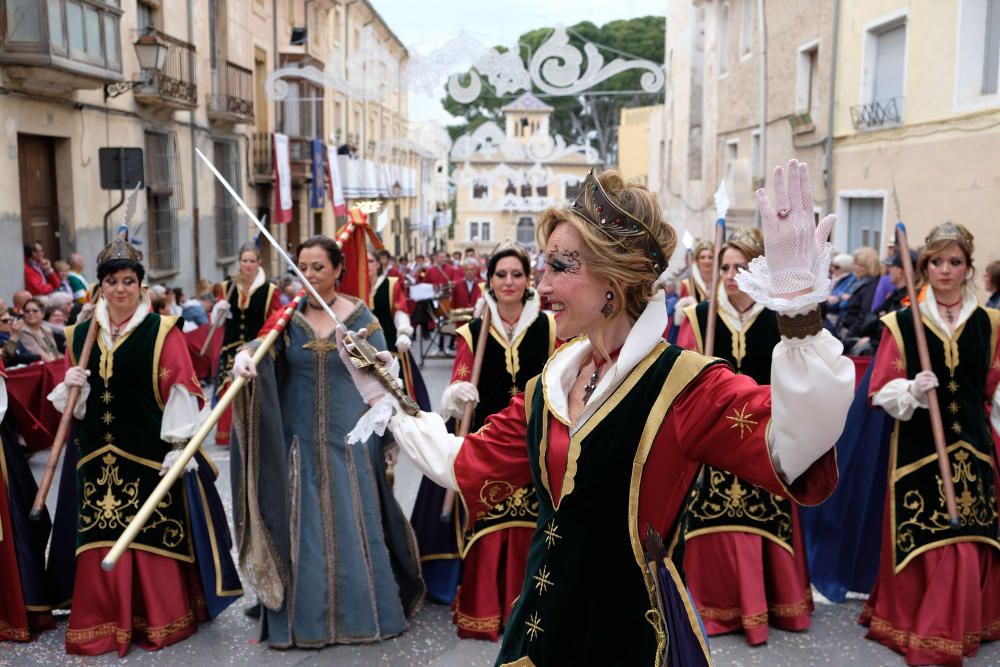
x=897, y=400
x=812, y=386
x=995, y=411
x=426, y=440
x=181, y=416
x=60, y=395
x=401, y=320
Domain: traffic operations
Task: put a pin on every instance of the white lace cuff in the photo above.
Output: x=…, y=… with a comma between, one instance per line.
x=757, y=284
x=374, y=421
x=60, y=395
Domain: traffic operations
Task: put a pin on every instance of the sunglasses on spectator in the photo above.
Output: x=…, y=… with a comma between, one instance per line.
x=6, y=320
x=31, y=310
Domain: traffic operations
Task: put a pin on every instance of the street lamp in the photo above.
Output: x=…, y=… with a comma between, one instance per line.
x=151, y=52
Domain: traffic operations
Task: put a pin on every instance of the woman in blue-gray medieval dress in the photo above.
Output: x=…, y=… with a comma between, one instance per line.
x=321, y=538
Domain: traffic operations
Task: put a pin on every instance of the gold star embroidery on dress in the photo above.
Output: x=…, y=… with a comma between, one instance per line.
x=462, y=371
x=514, y=391
x=899, y=364
x=107, y=418
x=956, y=427
x=742, y=420
x=550, y=533
x=106, y=397
x=953, y=408
x=542, y=580
x=108, y=438
x=534, y=624
x=164, y=373
x=953, y=386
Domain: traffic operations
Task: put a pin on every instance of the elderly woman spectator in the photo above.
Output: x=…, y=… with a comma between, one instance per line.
x=37, y=337
x=991, y=279
x=843, y=285
x=14, y=353
x=867, y=273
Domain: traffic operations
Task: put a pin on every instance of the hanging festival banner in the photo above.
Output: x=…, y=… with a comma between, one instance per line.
x=337, y=199
x=316, y=199
x=282, y=180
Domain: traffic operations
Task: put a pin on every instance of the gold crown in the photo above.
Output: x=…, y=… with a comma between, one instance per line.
x=120, y=248
x=599, y=208
x=951, y=231
x=508, y=244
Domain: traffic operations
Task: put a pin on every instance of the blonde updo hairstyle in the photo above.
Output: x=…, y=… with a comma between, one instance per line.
x=630, y=273
x=943, y=237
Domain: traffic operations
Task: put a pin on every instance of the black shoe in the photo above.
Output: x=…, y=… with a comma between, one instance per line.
x=253, y=611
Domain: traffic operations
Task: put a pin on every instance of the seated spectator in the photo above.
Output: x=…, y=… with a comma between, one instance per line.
x=991, y=279
x=55, y=321
x=174, y=300
x=871, y=331
x=160, y=304
x=76, y=280
x=14, y=353
x=885, y=282
x=62, y=270
x=21, y=297
x=37, y=338
x=39, y=276
x=193, y=312
x=859, y=305
x=843, y=285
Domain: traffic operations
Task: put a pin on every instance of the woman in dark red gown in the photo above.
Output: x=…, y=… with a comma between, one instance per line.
x=937, y=596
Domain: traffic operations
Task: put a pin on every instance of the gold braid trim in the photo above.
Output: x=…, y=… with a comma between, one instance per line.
x=16, y=634
x=488, y=624
x=906, y=639
x=716, y=614
x=124, y=635
x=793, y=609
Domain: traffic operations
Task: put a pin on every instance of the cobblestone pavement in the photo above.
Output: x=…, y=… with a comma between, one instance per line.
x=834, y=640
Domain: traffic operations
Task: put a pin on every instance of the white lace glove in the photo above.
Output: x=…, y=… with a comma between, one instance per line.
x=243, y=366
x=368, y=386
x=792, y=241
x=171, y=458
x=403, y=343
x=76, y=377
x=922, y=384
x=466, y=392
x=221, y=310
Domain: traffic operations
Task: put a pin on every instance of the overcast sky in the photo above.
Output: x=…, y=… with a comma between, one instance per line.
x=426, y=25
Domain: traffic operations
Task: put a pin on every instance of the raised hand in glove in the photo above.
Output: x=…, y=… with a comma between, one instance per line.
x=221, y=310
x=922, y=384
x=792, y=240
x=367, y=384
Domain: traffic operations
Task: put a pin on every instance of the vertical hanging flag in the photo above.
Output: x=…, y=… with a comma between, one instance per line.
x=316, y=200
x=337, y=199
x=282, y=180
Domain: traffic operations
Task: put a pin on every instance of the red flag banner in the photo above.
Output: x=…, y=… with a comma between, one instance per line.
x=282, y=180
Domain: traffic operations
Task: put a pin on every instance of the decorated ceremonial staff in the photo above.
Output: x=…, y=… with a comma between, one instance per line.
x=613, y=431
x=138, y=402
x=937, y=596
x=316, y=521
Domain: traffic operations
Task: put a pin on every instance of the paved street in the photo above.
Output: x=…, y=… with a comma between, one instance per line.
x=835, y=638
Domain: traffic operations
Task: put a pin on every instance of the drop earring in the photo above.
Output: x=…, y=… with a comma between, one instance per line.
x=608, y=309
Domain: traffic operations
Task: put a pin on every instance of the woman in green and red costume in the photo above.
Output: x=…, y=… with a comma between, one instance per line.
x=139, y=402
x=248, y=307
x=614, y=430
x=937, y=595
x=24, y=599
x=745, y=560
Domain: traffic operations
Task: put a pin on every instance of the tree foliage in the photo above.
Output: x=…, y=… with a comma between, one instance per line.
x=590, y=117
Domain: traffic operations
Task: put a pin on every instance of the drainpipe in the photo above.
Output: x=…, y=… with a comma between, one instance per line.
x=828, y=148
x=762, y=93
x=194, y=162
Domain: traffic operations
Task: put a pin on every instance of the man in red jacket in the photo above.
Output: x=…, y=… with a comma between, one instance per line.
x=39, y=276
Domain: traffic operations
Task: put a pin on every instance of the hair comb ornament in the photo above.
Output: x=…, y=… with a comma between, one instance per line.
x=599, y=208
x=951, y=231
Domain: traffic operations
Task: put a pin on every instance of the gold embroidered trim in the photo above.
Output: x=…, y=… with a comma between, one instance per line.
x=16, y=634
x=124, y=635
x=906, y=639
x=488, y=624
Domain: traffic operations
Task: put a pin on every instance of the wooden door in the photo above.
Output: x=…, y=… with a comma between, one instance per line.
x=39, y=207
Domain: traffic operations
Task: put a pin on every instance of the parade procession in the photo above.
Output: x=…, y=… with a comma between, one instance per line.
x=657, y=333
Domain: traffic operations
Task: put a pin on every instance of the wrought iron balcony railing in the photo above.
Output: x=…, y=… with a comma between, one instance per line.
x=232, y=94
x=174, y=86
x=883, y=113
x=299, y=156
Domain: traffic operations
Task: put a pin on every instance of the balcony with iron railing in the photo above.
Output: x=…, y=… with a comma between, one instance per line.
x=174, y=87
x=299, y=155
x=877, y=115
x=231, y=100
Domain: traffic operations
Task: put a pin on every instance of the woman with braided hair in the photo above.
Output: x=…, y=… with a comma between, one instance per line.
x=614, y=429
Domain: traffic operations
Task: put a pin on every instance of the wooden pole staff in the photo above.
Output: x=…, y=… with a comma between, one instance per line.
x=470, y=407
x=175, y=471
x=713, y=298
x=63, y=431
x=217, y=322
x=937, y=426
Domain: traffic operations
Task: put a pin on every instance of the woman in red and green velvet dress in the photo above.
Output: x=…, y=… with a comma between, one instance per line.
x=937, y=595
x=744, y=556
x=494, y=547
x=613, y=431
x=139, y=401
x=250, y=305
x=24, y=604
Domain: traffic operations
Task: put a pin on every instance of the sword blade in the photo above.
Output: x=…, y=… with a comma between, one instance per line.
x=267, y=235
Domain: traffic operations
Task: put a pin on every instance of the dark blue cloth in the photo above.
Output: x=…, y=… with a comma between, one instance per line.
x=684, y=645
x=843, y=535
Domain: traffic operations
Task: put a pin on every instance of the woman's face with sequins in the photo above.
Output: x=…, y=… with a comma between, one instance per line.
x=576, y=295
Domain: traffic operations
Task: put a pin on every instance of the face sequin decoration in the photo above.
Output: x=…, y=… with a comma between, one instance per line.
x=567, y=261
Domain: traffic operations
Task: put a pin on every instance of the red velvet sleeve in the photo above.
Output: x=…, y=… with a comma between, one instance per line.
x=275, y=305
x=398, y=298
x=493, y=462
x=722, y=419
x=176, y=368
x=889, y=363
x=685, y=337
x=461, y=370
